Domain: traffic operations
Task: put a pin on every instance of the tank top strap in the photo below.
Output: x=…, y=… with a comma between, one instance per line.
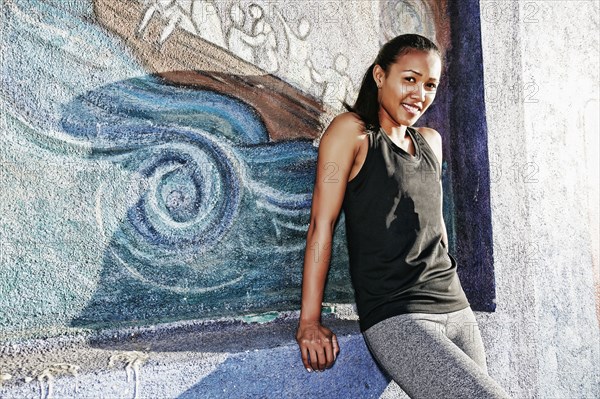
x=421, y=140
x=426, y=149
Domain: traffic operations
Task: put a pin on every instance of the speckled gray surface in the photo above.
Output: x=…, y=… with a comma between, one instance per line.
x=541, y=71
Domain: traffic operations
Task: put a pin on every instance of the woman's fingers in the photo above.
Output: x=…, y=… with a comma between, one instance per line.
x=336, y=347
x=321, y=359
x=314, y=362
x=318, y=348
x=329, y=354
x=304, y=352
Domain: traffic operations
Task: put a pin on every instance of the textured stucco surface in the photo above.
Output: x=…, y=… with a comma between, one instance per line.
x=542, y=97
x=541, y=68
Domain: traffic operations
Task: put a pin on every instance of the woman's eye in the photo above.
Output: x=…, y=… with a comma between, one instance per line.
x=413, y=80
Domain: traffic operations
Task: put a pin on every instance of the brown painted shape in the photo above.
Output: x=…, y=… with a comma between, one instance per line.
x=186, y=59
x=441, y=21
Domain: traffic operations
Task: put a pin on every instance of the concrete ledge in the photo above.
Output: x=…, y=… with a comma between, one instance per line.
x=197, y=359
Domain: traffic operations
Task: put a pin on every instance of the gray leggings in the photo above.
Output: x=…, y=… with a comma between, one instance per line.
x=434, y=355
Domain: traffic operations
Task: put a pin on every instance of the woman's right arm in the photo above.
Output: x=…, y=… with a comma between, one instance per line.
x=337, y=152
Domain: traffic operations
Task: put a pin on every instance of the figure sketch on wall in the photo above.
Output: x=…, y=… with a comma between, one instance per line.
x=337, y=84
x=169, y=10
x=298, y=52
x=265, y=54
x=198, y=17
x=402, y=16
x=239, y=42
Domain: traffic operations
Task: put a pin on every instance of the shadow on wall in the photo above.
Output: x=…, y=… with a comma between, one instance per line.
x=211, y=219
x=263, y=360
x=276, y=374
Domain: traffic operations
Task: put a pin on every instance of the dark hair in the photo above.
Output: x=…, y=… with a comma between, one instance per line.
x=366, y=104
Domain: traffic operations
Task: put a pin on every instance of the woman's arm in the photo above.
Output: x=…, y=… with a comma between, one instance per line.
x=337, y=151
x=434, y=139
x=440, y=155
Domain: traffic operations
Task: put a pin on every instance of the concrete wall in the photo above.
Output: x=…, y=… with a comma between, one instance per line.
x=87, y=268
x=540, y=63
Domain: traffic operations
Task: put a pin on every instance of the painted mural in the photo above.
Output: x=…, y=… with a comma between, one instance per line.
x=160, y=155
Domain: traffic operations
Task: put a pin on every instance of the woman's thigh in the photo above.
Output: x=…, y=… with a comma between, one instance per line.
x=462, y=329
x=414, y=350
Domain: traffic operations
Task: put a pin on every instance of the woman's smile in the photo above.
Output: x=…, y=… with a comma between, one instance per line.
x=412, y=109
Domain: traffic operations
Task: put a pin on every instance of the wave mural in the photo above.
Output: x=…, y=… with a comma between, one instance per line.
x=218, y=208
x=207, y=214
x=216, y=215
x=193, y=181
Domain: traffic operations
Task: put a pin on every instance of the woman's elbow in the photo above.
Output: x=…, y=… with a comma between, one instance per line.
x=321, y=225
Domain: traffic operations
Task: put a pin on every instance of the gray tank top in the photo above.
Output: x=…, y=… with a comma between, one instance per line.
x=392, y=208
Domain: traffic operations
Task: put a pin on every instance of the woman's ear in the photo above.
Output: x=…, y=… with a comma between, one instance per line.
x=378, y=75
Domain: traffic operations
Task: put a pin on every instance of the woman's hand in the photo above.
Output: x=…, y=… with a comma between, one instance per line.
x=318, y=345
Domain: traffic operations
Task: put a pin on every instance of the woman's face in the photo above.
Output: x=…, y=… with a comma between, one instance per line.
x=409, y=87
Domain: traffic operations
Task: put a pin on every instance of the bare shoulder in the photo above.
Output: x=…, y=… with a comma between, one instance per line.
x=346, y=123
x=429, y=133
x=345, y=130
x=434, y=139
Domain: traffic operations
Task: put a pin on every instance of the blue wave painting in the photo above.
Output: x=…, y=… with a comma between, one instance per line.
x=221, y=213
x=212, y=216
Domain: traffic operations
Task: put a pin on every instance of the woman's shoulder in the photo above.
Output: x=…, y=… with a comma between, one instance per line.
x=433, y=138
x=428, y=132
x=347, y=123
x=345, y=132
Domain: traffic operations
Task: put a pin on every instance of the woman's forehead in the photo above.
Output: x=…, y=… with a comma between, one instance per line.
x=421, y=62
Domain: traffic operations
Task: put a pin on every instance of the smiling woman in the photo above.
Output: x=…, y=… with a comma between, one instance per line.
x=413, y=86
x=408, y=293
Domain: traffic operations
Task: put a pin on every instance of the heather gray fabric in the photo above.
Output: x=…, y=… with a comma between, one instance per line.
x=434, y=355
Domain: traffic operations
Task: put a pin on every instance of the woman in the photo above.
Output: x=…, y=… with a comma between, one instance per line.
x=413, y=312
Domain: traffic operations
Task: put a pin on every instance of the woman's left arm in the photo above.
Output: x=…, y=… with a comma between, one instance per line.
x=434, y=139
x=444, y=233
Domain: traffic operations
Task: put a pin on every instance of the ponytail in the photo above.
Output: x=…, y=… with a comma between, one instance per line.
x=366, y=105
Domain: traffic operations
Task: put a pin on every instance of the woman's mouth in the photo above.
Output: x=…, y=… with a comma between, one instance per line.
x=411, y=108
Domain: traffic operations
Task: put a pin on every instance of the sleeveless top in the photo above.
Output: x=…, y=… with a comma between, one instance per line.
x=393, y=215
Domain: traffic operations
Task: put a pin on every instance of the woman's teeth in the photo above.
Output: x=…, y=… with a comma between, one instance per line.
x=410, y=108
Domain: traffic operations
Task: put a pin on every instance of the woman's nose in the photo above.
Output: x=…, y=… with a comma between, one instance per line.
x=419, y=92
